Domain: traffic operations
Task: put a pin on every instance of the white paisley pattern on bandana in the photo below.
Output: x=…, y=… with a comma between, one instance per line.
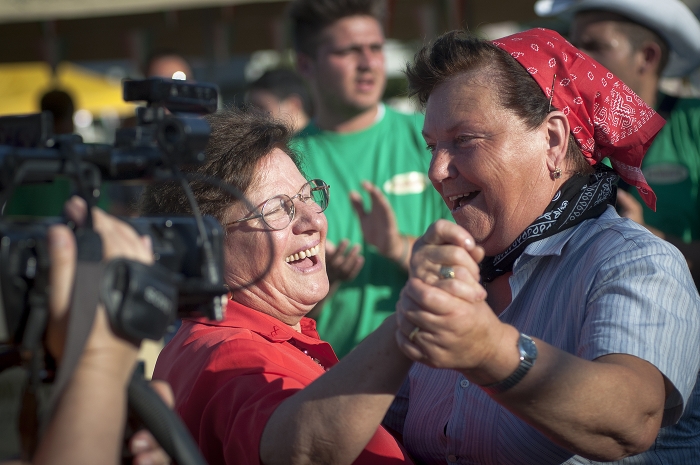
x=579, y=198
x=606, y=117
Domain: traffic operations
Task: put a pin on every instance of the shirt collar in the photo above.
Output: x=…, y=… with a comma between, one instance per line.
x=269, y=327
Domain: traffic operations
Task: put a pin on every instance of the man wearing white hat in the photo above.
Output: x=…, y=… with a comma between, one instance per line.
x=640, y=41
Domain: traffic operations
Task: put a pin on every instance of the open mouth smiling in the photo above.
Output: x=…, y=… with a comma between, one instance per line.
x=304, y=254
x=461, y=200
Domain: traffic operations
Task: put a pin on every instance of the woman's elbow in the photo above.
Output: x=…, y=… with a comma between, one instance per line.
x=633, y=441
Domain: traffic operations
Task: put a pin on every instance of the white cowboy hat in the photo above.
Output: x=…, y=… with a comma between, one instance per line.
x=671, y=19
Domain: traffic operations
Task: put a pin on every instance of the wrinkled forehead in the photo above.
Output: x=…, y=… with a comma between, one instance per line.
x=276, y=173
x=457, y=95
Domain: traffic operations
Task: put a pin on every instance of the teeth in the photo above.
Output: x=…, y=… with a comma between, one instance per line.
x=303, y=254
x=456, y=197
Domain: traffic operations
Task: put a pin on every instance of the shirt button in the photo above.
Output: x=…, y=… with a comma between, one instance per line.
x=452, y=458
x=464, y=383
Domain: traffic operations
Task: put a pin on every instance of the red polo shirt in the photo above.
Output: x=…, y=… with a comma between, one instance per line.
x=229, y=376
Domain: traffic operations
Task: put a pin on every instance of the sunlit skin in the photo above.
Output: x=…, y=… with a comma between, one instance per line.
x=347, y=72
x=602, y=39
x=288, y=291
x=484, y=151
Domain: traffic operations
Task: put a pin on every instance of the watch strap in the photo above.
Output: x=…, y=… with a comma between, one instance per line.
x=527, y=360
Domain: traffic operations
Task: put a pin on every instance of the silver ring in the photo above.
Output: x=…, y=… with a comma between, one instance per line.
x=413, y=333
x=447, y=272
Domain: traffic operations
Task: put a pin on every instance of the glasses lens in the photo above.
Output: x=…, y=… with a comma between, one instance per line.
x=319, y=192
x=278, y=212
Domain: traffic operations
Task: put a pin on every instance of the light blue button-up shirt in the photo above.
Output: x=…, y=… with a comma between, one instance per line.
x=605, y=286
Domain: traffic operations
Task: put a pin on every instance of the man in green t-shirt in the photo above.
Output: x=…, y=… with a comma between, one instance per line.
x=373, y=157
x=639, y=41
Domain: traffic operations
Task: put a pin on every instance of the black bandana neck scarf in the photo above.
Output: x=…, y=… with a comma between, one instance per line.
x=580, y=198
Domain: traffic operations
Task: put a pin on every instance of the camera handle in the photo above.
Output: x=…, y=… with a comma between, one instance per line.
x=163, y=423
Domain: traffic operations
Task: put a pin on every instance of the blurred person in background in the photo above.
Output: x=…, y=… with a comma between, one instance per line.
x=356, y=143
x=640, y=41
x=60, y=104
x=283, y=94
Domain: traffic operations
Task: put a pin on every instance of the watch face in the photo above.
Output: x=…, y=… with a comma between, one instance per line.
x=528, y=349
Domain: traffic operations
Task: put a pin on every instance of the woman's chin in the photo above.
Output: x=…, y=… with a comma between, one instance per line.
x=314, y=293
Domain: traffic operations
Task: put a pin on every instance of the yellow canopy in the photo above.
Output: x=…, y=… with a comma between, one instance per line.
x=23, y=84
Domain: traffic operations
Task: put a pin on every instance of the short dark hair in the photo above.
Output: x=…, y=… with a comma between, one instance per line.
x=310, y=17
x=459, y=52
x=282, y=83
x=59, y=103
x=636, y=33
x=239, y=139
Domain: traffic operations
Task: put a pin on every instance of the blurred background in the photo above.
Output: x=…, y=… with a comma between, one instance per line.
x=86, y=47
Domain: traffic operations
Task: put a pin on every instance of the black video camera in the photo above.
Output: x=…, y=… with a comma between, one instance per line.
x=188, y=250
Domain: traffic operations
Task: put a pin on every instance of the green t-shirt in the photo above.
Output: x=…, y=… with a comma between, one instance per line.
x=391, y=154
x=672, y=169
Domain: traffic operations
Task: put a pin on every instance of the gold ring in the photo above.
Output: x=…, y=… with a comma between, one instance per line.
x=412, y=334
x=447, y=272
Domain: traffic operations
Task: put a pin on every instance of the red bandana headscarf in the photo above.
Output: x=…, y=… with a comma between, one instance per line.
x=606, y=117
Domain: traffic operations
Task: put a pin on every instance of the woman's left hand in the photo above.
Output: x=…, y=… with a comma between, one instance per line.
x=448, y=246
x=456, y=327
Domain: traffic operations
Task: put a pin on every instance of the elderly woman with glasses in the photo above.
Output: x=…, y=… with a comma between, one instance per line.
x=258, y=386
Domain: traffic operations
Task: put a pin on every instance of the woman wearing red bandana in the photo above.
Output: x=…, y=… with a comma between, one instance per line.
x=549, y=329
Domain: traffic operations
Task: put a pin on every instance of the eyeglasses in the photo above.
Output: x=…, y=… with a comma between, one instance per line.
x=278, y=212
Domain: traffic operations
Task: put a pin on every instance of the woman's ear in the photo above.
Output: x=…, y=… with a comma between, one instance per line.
x=557, y=127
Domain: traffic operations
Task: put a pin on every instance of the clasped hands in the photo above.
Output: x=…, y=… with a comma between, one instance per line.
x=444, y=300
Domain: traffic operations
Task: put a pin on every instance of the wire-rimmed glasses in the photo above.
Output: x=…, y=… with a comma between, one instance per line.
x=278, y=212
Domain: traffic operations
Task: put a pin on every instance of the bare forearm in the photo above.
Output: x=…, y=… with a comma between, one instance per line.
x=333, y=419
x=88, y=423
x=602, y=410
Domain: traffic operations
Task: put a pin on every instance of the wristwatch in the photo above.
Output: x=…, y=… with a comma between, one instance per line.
x=528, y=355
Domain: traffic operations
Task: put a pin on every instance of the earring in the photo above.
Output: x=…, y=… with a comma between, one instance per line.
x=556, y=174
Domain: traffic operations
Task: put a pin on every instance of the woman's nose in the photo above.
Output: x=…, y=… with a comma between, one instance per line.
x=308, y=216
x=440, y=166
